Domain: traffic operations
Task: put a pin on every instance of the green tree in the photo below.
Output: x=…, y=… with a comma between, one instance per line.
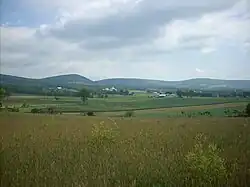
x=179, y=93
x=2, y=95
x=7, y=94
x=84, y=94
x=248, y=110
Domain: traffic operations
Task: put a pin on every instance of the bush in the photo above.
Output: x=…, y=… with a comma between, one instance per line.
x=90, y=113
x=236, y=113
x=205, y=166
x=51, y=110
x=36, y=110
x=25, y=105
x=15, y=109
x=129, y=114
x=248, y=110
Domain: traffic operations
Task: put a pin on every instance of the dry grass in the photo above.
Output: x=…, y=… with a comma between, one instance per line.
x=43, y=150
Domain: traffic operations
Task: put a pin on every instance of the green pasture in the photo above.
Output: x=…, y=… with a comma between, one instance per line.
x=114, y=103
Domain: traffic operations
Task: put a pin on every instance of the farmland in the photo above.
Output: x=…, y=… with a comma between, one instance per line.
x=216, y=110
x=113, y=103
x=166, y=143
x=69, y=150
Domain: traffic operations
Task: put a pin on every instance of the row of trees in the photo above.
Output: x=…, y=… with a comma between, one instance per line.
x=192, y=93
x=84, y=94
x=3, y=95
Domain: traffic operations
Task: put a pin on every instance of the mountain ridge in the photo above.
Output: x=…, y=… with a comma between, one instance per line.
x=74, y=79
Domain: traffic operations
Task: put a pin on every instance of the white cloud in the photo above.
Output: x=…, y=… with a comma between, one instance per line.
x=115, y=38
x=199, y=70
x=207, y=50
x=210, y=31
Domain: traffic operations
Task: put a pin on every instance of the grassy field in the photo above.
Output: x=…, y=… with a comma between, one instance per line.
x=113, y=103
x=69, y=150
x=216, y=110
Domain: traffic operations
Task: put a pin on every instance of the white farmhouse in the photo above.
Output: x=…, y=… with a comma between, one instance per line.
x=162, y=95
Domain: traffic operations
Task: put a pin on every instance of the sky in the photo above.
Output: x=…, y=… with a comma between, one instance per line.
x=152, y=39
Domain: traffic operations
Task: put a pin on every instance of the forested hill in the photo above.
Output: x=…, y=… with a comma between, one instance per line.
x=77, y=81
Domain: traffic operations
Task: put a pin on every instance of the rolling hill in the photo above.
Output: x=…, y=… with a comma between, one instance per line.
x=77, y=81
x=199, y=83
x=61, y=80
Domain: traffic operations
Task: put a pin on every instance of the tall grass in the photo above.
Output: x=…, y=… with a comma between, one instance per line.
x=119, y=153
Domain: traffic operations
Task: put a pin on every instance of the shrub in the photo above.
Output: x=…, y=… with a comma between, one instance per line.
x=248, y=110
x=51, y=110
x=205, y=166
x=15, y=109
x=227, y=112
x=129, y=114
x=90, y=113
x=57, y=98
x=24, y=105
x=238, y=113
x=36, y=110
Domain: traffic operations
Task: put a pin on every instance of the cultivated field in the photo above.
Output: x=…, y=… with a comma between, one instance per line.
x=113, y=103
x=216, y=110
x=69, y=150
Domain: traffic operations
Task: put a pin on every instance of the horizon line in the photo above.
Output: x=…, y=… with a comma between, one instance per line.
x=68, y=74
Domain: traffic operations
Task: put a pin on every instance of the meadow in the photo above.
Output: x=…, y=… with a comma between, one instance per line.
x=69, y=150
x=216, y=110
x=113, y=103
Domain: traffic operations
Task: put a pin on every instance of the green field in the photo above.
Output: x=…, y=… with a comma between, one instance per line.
x=69, y=150
x=113, y=103
x=216, y=110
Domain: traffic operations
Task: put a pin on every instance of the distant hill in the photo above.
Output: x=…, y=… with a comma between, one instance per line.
x=68, y=80
x=135, y=83
x=199, y=83
x=77, y=81
x=62, y=80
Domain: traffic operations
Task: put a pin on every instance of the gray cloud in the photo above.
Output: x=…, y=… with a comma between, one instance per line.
x=134, y=26
x=152, y=40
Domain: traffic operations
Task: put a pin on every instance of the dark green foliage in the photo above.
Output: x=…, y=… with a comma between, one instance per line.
x=124, y=92
x=52, y=110
x=90, y=113
x=235, y=113
x=248, y=110
x=179, y=93
x=49, y=110
x=84, y=94
x=129, y=114
x=57, y=98
x=36, y=110
x=2, y=94
x=25, y=105
x=12, y=109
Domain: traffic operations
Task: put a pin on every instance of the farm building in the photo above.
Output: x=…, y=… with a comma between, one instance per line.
x=162, y=95
x=113, y=89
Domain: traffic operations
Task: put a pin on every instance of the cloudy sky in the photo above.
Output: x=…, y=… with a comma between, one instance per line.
x=155, y=39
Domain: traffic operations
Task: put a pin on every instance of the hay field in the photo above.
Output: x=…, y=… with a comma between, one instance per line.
x=68, y=150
